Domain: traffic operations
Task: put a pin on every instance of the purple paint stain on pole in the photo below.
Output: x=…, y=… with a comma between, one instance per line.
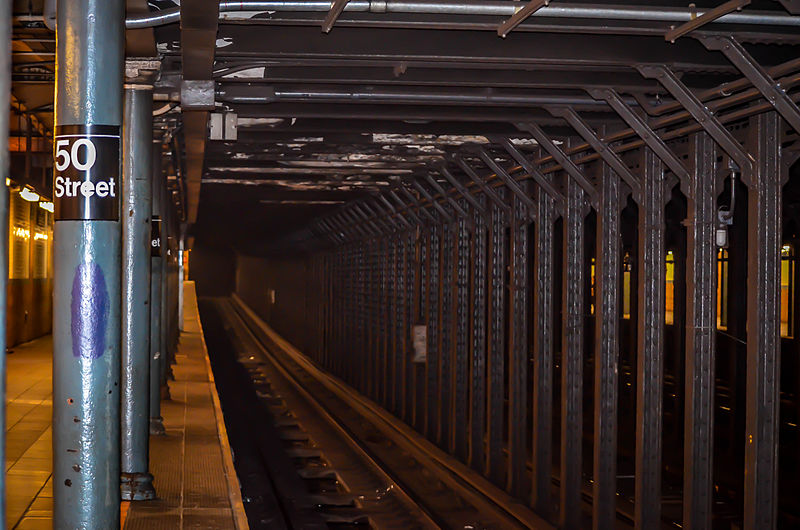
x=89, y=311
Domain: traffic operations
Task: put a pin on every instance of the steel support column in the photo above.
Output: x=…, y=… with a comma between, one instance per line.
x=518, y=348
x=5, y=91
x=650, y=354
x=495, y=468
x=478, y=347
x=156, y=275
x=606, y=349
x=461, y=362
x=86, y=305
x=701, y=274
x=572, y=344
x=434, y=300
x=763, y=324
x=137, y=483
x=543, y=356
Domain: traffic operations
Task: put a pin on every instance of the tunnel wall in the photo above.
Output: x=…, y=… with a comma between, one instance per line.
x=281, y=292
x=214, y=270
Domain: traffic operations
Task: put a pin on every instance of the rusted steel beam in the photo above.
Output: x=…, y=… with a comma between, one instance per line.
x=648, y=136
x=650, y=351
x=558, y=154
x=608, y=155
x=701, y=290
x=607, y=348
x=774, y=93
x=763, y=325
x=700, y=113
x=543, y=356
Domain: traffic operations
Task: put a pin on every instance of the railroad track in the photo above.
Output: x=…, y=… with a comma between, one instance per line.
x=313, y=453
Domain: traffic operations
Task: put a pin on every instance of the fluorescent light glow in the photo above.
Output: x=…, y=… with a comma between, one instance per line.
x=40, y=235
x=47, y=205
x=20, y=232
x=29, y=195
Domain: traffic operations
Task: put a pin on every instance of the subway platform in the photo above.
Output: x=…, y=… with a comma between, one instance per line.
x=192, y=464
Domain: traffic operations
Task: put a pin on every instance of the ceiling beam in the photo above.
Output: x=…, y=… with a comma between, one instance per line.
x=198, y=43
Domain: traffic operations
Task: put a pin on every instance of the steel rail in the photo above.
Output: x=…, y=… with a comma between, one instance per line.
x=469, y=484
x=502, y=8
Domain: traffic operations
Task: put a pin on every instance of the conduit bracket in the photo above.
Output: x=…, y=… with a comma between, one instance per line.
x=330, y=19
x=520, y=16
x=706, y=18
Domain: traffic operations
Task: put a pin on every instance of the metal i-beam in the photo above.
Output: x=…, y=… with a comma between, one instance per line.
x=700, y=112
x=543, y=358
x=608, y=155
x=453, y=203
x=648, y=136
x=558, y=154
x=417, y=220
x=477, y=418
x=86, y=295
x=458, y=186
x=416, y=203
x=650, y=351
x=607, y=313
x=137, y=149
x=763, y=325
x=518, y=349
x=462, y=331
x=490, y=192
x=706, y=18
x=439, y=208
x=510, y=183
x=198, y=20
x=5, y=91
x=519, y=17
x=572, y=345
x=774, y=93
x=701, y=291
x=495, y=396
x=530, y=167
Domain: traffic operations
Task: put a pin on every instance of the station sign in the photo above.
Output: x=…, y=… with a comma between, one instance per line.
x=86, y=185
x=155, y=237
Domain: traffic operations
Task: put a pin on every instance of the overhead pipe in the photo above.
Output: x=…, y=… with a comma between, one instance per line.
x=237, y=94
x=500, y=8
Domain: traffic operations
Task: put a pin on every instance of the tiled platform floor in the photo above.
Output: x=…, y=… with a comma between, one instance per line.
x=194, y=476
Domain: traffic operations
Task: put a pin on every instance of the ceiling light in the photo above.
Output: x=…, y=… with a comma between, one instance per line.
x=47, y=205
x=28, y=194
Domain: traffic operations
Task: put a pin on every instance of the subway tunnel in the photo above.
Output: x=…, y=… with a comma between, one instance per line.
x=401, y=264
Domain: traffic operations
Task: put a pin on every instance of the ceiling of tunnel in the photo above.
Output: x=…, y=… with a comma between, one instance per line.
x=377, y=103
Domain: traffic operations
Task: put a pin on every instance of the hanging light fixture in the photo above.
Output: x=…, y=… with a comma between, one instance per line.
x=47, y=205
x=28, y=194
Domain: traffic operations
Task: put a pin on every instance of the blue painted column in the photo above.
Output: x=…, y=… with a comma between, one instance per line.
x=86, y=317
x=5, y=105
x=156, y=275
x=137, y=483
